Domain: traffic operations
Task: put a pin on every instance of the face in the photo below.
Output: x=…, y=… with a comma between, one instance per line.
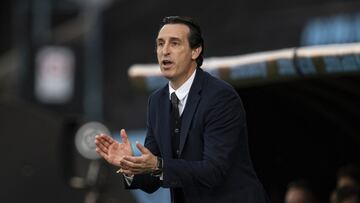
x=175, y=57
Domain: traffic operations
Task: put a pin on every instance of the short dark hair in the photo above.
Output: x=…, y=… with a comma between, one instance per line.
x=195, y=37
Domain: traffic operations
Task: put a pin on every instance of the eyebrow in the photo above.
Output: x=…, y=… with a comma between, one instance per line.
x=171, y=39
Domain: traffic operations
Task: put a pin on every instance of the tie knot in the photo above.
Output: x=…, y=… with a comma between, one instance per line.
x=174, y=99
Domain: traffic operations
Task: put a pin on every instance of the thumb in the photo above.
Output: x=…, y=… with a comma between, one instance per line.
x=124, y=136
x=142, y=149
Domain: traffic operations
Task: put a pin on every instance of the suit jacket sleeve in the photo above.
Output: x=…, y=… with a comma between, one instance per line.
x=223, y=123
x=146, y=182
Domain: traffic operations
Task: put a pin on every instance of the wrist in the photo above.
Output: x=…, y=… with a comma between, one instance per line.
x=159, y=167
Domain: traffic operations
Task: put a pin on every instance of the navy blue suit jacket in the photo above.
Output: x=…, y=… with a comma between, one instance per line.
x=214, y=163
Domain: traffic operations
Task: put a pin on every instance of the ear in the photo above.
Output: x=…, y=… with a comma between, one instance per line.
x=196, y=52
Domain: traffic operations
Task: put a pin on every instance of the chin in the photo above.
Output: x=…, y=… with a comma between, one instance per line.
x=167, y=73
x=169, y=77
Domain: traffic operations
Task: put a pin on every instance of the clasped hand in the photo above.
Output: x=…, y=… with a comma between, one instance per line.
x=122, y=155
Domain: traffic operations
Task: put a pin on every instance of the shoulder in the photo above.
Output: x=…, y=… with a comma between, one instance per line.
x=219, y=97
x=157, y=94
x=213, y=86
x=218, y=94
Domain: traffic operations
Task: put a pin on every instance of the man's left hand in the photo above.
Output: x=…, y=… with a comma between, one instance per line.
x=146, y=163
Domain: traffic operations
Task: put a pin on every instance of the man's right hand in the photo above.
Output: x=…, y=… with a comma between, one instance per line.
x=111, y=150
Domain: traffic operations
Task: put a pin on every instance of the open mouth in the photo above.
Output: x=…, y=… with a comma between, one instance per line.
x=166, y=63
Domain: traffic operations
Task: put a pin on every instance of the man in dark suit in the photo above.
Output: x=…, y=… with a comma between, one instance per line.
x=196, y=142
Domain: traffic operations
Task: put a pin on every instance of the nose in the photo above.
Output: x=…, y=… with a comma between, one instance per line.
x=166, y=49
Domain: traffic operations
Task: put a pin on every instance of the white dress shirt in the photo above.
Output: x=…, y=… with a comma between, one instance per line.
x=182, y=92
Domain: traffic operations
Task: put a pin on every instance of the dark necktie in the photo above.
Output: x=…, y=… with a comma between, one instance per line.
x=176, y=124
x=178, y=195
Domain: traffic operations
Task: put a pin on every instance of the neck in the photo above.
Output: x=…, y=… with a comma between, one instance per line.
x=175, y=84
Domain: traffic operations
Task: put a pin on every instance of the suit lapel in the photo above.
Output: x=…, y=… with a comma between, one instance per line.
x=164, y=123
x=190, y=107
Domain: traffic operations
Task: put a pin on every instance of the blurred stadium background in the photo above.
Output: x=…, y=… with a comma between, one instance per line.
x=65, y=63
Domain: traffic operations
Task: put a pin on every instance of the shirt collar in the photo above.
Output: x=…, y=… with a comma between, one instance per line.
x=184, y=89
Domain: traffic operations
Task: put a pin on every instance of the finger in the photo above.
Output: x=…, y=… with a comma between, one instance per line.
x=126, y=164
x=103, y=139
x=102, y=147
x=142, y=149
x=124, y=136
x=99, y=135
x=135, y=171
x=108, y=139
x=134, y=159
x=101, y=153
x=129, y=173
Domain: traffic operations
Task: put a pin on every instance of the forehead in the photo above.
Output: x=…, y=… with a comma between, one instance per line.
x=180, y=31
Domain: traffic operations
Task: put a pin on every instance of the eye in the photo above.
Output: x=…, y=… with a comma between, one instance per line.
x=175, y=43
x=159, y=44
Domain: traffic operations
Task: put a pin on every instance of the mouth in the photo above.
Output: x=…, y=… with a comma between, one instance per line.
x=167, y=63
